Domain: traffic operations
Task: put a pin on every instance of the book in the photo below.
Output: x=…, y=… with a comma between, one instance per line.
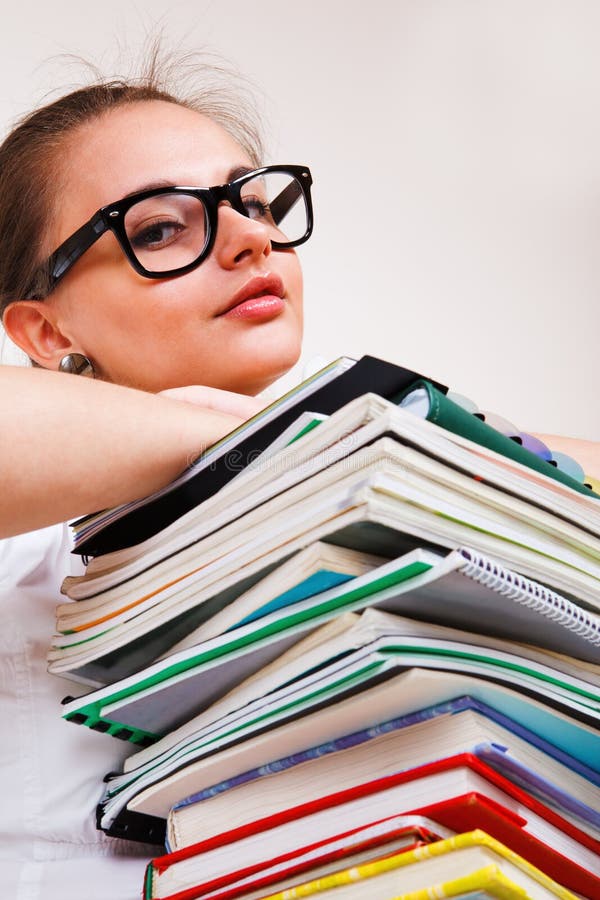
x=316, y=568
x=366, y=666
x=170, y=872
x=425, y=400
x=167, y=765
x=170, y=748
x=162, y=696
x=410, y=498
x=127, y=797
x=323, y=393
x=464, y=812
x=424, y=867
x=378, y=511
x=527, y=602
x=313, y=467
x=392, y=747
x=372, y=517
x=357, y=425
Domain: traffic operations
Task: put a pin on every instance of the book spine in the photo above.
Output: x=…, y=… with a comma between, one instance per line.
x=531, y=594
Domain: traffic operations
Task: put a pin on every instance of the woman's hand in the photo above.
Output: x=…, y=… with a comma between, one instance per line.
x=213, y=398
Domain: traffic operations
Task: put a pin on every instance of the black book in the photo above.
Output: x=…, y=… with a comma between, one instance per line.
x=138, y=522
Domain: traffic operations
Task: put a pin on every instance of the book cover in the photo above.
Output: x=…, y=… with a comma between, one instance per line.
x=423, y=866
x=366, y=375
x=357, y=845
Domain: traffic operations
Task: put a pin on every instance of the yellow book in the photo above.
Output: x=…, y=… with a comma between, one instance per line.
x=486, y=882
x=415, y=872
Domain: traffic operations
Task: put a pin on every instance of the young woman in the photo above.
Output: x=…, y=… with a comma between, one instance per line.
x=137, y=242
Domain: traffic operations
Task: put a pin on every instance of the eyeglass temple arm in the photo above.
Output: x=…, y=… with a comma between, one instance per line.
x=68, y=253
x=284, y=201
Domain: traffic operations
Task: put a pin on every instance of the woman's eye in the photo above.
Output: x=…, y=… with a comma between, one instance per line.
x=155, y=235
x=256, y=208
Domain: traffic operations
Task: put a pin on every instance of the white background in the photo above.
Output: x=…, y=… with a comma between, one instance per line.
x=455, y=148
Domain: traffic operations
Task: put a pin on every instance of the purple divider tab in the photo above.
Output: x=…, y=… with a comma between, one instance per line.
x=535, y=446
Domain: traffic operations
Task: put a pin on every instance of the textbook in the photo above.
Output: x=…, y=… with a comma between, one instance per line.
x=419, y=688
x=166, y=694
x=399, y=744
x=357, y=425
x=380, y=507
x=169, y=768
x=446, y=785
x=322, y=393
x=423, y=868
x=173, y=775
x=466, y=812
x=146, y=791
x=315, y=569
x=167, y=874
x=325, y=456
x=378, y=656
x=307, y=653
x=330, y=635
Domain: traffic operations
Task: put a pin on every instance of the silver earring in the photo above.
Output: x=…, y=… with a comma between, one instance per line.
x=76, y=364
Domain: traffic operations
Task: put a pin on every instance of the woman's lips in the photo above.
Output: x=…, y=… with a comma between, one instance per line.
x=262, y=297
x=266, y=306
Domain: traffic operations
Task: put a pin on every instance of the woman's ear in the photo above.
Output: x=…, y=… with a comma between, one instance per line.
x=29, y=324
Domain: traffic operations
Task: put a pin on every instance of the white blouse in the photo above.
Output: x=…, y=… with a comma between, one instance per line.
x=50, y=770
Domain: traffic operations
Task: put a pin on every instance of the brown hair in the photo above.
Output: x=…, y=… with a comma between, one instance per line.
x=30, y=154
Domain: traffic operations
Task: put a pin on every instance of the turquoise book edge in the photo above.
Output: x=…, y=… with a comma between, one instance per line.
x=317, y=583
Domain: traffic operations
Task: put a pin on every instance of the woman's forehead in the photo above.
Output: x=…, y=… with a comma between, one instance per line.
x=133, y=146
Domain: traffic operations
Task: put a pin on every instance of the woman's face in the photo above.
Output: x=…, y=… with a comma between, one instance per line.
x=155, y=334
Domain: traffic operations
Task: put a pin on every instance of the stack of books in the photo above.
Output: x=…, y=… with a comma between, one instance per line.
x=357, y=650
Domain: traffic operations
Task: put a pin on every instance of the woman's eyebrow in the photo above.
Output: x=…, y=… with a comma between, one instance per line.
x=150, y=186
x=237, y=172
x=234, y=173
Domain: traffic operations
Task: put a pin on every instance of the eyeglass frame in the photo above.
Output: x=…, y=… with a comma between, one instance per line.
x=112, y=218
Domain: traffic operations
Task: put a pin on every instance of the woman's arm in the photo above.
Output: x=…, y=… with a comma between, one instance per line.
x=71, y=446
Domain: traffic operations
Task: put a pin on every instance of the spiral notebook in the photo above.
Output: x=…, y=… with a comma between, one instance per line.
x=548, y=619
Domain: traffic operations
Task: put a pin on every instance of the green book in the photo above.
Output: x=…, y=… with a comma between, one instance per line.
x=426, y=401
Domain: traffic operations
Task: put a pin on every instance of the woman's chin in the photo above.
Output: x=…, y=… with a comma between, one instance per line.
x=265, y=367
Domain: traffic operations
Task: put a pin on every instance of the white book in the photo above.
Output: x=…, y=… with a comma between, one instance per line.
x=374, y=509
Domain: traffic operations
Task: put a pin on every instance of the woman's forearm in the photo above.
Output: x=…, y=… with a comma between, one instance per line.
x=70, y=446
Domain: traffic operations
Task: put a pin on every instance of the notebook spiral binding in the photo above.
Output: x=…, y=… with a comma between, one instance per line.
x=531, y=594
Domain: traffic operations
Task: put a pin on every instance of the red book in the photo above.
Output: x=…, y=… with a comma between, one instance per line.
x=349, y=848
x=509, y=814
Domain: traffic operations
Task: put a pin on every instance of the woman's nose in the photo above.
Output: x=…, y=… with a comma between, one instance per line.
x=239, y=237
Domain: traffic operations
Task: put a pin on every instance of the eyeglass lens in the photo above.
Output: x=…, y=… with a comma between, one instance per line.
x=171, y=230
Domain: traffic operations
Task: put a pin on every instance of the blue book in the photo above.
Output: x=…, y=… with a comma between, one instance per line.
x=494, y=754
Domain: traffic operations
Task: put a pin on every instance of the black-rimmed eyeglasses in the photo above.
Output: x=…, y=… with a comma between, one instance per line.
x=169, y=231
